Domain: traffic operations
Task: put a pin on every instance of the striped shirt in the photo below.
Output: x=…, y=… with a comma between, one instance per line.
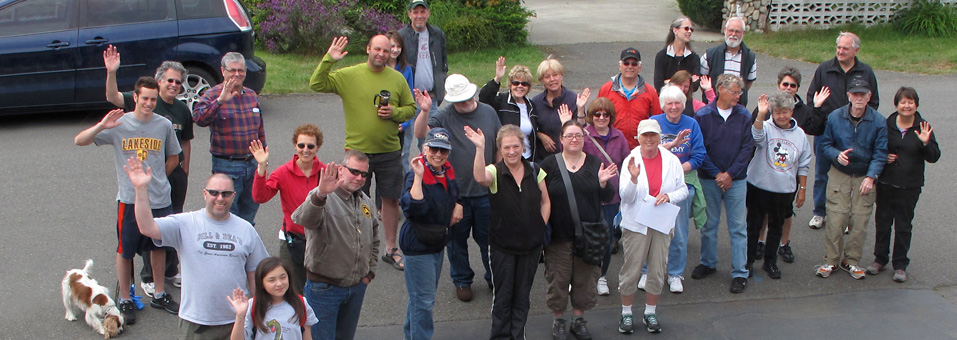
x=732, y=65
x=233, y=125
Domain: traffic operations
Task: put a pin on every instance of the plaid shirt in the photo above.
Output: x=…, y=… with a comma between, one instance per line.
x=233, y=125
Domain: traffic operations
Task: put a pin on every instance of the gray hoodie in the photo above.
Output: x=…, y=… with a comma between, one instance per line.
x=780, y=155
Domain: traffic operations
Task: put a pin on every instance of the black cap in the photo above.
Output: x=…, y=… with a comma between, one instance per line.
x=630, y=52
x=858, y=85
x=414, y=3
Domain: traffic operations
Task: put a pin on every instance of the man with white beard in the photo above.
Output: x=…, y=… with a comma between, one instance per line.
x=737, y=57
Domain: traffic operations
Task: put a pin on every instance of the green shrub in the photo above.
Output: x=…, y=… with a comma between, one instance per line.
x=706, y=13
x=930, y=18
x=475, y=24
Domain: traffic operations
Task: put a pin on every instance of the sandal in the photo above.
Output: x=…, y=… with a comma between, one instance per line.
x=390, y=259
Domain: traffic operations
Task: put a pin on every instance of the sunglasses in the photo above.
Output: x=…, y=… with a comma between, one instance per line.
x=356, y=172
x=172, y=81
x=306, y=146
x=600, y=114
x=791, y=85
x=630, y=63
x=687, y=28
x=439, y=150
x=226, y=194
x=523, y=83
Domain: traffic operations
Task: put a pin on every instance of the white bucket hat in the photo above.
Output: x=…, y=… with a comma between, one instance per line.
x=458, y=89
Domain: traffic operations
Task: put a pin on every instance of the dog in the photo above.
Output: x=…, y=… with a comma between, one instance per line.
x=81, y=290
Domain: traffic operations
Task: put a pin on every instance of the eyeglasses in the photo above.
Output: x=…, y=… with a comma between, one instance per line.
x=573, y=136
x=306, y=146
x=736, y=93
x=791, y=85
x=226, y=193
x=172, y=81
x=439, y=151
x=630, y=63
x=236, y=70
x=523, y=83
x=600, y=114
x=687, y=28
x=356, y=172
x=735, y=32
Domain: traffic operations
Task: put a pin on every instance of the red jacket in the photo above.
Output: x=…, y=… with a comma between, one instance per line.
x=629, y=112
x=292, y=185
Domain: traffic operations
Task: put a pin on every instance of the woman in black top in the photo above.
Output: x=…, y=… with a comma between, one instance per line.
x=589, y=179
x=910, y=143
x=514, y=106
x=677, y=54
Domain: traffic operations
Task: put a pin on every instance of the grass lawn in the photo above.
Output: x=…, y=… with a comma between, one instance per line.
x=289, y=73
x=882, y=47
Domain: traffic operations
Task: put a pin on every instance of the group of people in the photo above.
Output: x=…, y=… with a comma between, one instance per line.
x=556, y=178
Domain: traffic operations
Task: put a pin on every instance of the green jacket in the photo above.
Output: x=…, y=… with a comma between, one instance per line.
x=698, y=212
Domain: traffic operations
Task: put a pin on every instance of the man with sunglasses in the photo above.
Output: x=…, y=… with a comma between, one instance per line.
x=732, y=57
x=219, y=252
x=634, y=99
x=342, y=244
x=170, y=75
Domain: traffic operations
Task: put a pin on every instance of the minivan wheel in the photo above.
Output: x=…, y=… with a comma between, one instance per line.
x=197, y=82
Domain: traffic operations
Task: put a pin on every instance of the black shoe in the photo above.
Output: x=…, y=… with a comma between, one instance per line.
x=772, y=269
x=127, y=308
x=166, y=303
x=750, y=268
x=702, y=271
x=759, y=252
x=579, y=330
x=738, y=284
x=786, y=253
x=558, y=330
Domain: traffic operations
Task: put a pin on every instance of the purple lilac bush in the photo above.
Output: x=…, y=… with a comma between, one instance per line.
x=310, y=25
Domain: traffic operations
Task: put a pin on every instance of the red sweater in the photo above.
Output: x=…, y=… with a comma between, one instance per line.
x=628, y=113
x=292, y=185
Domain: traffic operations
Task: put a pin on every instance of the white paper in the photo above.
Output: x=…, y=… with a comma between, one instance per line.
x=661, y=217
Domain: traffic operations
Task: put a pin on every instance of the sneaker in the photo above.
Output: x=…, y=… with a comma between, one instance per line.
x=772, y=269
x=651, y=323
x=464, y=293
x=847, y=230
x=176, y=281
x=824, y=270
x=900, y=276
x=738, y=284
x=626, y=324
x=816, y=222
x=702, y=271
x=759, y=252
x=642, y=281
x=149, y=289
x=579, y=330
x=603, y=286
x=558, y=330
x=166, y=303
x=856, y=272
x=786, y=253
x=674, y=284
x=875, y=268
x=128, y=309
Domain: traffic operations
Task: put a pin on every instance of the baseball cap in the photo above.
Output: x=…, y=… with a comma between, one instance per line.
x=438, y=138
x=858, y=85
x=414, y=3
x=648, y=125
x=630, y=52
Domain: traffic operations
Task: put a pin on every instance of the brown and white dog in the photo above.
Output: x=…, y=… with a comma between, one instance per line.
x=82, y=290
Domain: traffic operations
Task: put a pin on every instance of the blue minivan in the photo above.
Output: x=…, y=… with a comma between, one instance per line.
x=51, y=51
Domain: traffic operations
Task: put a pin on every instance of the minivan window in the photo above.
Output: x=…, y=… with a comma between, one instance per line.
x=38, y=16
x=119, y=12
x=197, y=9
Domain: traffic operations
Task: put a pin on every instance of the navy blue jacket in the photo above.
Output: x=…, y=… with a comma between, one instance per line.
x=868, y=139
x=729, y=143
x=435, y=208
x=908, y=170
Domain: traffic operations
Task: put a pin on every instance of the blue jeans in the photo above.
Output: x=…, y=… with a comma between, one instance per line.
x=242, y=173
x=475, y=219
x=821, y=166
x=337, y=309
x=609, y=211
x=734, y=206
x=422, y=273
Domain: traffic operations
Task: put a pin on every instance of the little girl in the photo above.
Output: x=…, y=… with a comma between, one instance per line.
x=275, y=311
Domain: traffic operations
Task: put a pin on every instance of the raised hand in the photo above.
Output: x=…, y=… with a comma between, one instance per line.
x=140, y=176
x=337, y=48
x=423, y=99
x=583, y=98
x=925, y=131
x=229, y=91
x=112, y=119
x=328, y=179
x=705, y=83
x=634, y=170
x=564, y=114
x=238, y=301
x=417, y=167
x=763, y=105
x=259, y=152
x=499, y=69
x=821, y=96
x=476, y=136
x=111, y=59
x=607, y=173
x=681, y=138
x=843, y=158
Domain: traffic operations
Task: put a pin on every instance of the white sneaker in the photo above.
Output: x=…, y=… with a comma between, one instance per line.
x=176, y=281
x=149, y=289
x=674, y=282
x=603, y=286
x=642, y=280
x=816, y=222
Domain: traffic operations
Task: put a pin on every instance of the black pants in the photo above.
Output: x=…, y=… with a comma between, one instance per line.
x=177, y=182
x=777, y=207
x=512, y=276
x=895, y=206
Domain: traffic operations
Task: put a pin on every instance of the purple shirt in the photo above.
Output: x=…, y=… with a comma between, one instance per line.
x=616, y=147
